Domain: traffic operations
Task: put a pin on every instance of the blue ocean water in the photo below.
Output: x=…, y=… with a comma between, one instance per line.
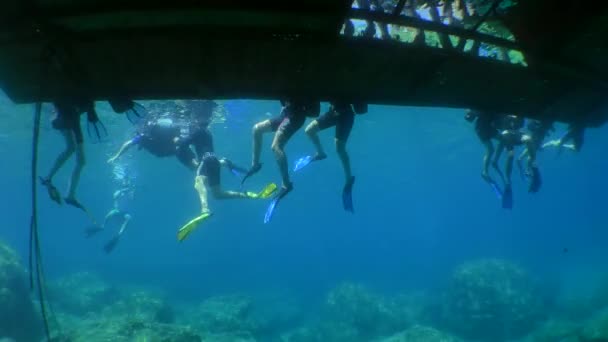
x=421, y=209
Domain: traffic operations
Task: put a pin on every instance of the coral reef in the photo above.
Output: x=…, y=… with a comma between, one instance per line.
x=18, y=318
x=225, y=315
x=365, y=313
x=354, y=313
x=419, y=333
x=596, y=328
x=120, y=328
x=81, y=293
x=556, y=330
x=491, y=300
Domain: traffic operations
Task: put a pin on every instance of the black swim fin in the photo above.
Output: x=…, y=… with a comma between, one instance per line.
x=534, y=179
x=110, y=245
x=252, y=171
x=507, y=197
x=347, y=195
x=74, y=203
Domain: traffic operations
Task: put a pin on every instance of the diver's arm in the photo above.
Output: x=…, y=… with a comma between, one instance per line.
x=124, y=148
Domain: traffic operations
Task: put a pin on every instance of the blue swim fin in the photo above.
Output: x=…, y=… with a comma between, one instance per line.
x=270, y=211
x=496, y=189
x=507, y=198
x=347, y=195
x=302, y=163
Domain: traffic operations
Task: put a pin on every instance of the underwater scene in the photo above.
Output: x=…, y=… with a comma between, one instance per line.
x=391, y=229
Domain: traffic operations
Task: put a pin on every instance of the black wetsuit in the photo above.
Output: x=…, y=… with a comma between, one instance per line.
x=158, y=139
x=293, y=116
x=340, y=115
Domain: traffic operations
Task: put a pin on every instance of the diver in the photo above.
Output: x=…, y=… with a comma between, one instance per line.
x=575, y=133
x=120, y=214
x=165, y=136
x=341, y=116
x=67, y=121
x=290, y=120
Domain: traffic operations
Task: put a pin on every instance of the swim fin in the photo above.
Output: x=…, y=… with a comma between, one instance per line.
x=254, y=169
x=347, y=195
x=270, y=211
x=52, y=190
x=496, y=189
x=189, y=227
x=302, y=163
x=92, y=230
x=507, y=198
x=268, y=191
x=109, y=247
x=534, y=179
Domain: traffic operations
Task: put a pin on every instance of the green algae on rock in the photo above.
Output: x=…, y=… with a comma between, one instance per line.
x=18, y=318
x=492, y=300
x=419, y=333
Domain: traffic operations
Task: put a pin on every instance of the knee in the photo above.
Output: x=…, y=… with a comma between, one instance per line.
x=258, y=128
x=277, y=149
x=127, y=217
x=312, y=129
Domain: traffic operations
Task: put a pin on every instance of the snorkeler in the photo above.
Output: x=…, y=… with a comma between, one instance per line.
x=485, y=128
x=511, y=136
x=576, y=133
x=538, y=131
x=67, y=121
x=208, y=180
x=164, y=136
x=342, y=117
x=291, y=119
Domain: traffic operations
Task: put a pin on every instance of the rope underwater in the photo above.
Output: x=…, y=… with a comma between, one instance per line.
x=35, y=255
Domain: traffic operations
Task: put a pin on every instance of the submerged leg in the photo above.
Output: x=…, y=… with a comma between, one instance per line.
x=278, y=146
x=258, y=131
x=70, y=147
x=75, y=179
x=312, y=131
x=344, y=158
x=486, y=159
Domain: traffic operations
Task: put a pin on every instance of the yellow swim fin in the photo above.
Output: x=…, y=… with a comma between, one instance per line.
x=189, y=227
x=268, y=191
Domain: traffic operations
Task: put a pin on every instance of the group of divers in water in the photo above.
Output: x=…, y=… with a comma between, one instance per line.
x=167, y=129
